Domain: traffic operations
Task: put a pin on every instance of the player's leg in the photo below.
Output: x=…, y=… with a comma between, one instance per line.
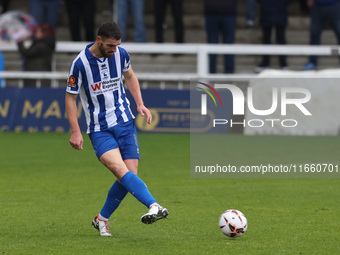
x=131, y=182
x=113, y=161
x=156, y=212
x=127, y=139
x=134, y=185
x=102, y=142
x=132, y=165
x=105, y=144
x=140, y=191
x=116, y=193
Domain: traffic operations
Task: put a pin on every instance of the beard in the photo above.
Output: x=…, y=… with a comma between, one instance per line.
x=105, y=53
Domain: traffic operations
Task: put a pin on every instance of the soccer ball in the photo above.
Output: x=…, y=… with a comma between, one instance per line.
x=233, y=223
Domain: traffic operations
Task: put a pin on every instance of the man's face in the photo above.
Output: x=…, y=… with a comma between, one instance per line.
x=108, y=47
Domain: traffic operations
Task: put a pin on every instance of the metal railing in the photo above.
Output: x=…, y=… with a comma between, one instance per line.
x=202, y=52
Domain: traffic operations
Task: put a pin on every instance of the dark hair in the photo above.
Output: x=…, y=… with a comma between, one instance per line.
x=110, y=30
x=46, y=29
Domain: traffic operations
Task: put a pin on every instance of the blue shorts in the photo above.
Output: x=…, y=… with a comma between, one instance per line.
x=122, y=135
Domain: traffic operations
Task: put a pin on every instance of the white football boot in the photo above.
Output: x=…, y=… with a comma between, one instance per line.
x=101, y=226
x=156, y=212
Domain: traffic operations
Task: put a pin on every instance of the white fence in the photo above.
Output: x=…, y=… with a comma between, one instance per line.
x=202, y=52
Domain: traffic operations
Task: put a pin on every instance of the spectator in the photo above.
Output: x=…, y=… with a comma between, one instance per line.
x=273, y=16
x=137, y=9
x=220, y=19
x=38, y=57
x=322, y=11
x=76, y=10
x=45, y=11
x=251, y=13
x=177, y=14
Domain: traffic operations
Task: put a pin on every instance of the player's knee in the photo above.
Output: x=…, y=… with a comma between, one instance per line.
x=112, y=166
x=132, y=165
x=116, y=168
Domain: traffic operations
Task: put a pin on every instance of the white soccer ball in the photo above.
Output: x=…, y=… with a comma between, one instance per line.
x=233, y=223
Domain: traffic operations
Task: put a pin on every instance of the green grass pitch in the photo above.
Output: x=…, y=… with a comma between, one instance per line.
x=51, y=192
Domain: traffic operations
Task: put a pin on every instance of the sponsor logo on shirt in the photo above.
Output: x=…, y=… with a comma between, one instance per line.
x=72, y=82
x=105, y=86
x=96, y=86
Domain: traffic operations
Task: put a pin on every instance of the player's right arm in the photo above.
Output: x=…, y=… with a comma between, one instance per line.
x=76, y=139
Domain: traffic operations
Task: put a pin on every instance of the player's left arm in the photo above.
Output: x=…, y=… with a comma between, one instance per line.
x=132, y=83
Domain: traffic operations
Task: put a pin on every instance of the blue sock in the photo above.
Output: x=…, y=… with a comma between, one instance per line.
x=137, y=188
x=116, y=194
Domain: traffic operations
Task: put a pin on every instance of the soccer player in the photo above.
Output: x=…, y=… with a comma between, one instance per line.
x=96, y=75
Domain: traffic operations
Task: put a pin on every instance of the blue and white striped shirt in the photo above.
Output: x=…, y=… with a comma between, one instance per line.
x=100, y=86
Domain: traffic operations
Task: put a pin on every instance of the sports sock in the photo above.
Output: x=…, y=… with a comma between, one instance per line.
x=100, y=217
x=114, y=197
x=137, y=188
x=154, y=204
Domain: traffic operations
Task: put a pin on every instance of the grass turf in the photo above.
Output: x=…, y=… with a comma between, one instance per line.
x=50, y=193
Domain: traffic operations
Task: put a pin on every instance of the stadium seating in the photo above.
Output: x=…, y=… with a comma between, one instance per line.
x=297, y=34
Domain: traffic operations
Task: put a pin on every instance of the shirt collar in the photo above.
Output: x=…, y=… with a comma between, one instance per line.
x=90, y=56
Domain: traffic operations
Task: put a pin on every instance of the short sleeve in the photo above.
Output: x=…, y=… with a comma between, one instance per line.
x=125, y=60
x=74, y=80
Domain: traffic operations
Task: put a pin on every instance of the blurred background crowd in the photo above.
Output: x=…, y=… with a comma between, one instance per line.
x=184, y=21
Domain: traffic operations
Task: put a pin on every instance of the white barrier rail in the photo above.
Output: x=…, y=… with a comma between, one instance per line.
x=56, y=77
x=202, y=52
